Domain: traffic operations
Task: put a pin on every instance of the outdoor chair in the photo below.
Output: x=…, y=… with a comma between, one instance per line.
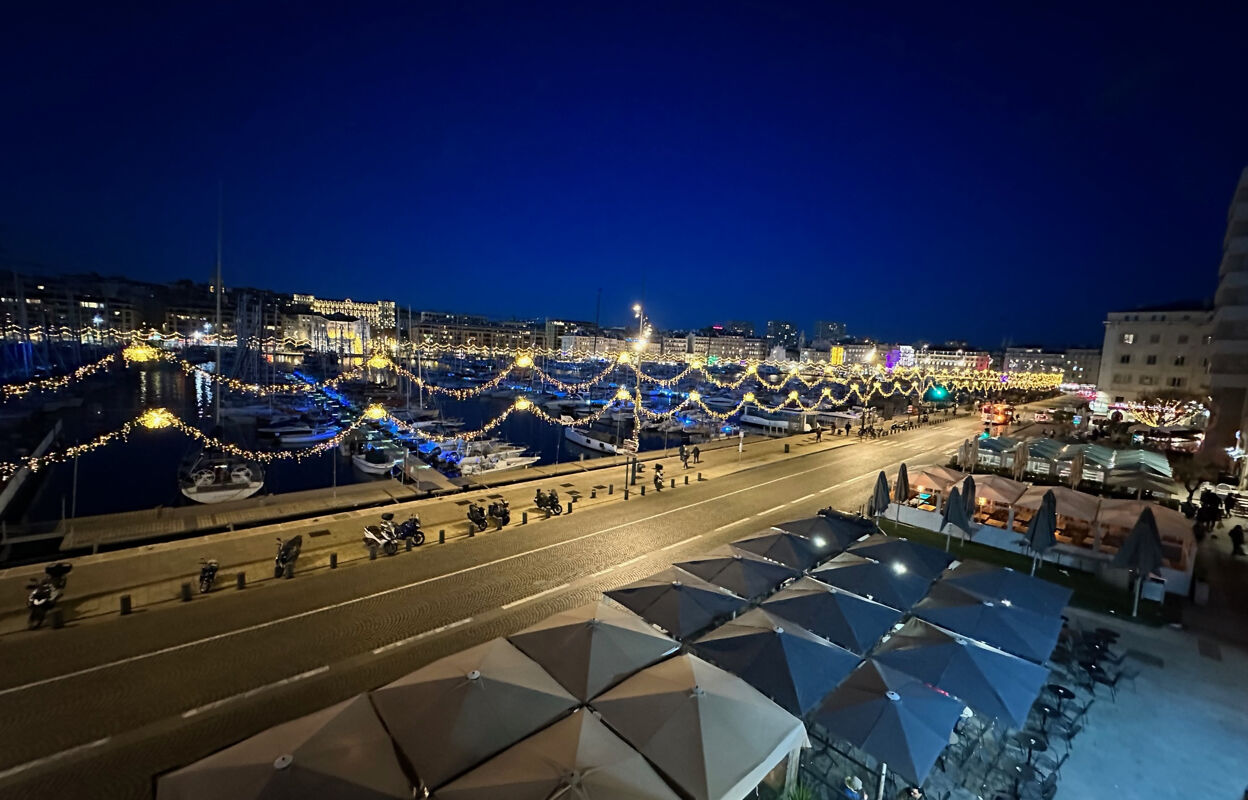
x=1112, y=683
x=1079, y=713
x=1049, y=766
x=1071, y=732
x=1045, y=790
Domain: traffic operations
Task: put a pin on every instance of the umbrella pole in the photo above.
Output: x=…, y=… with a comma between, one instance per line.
x=883, y=779
x=1139, y=585
x=1033, y=564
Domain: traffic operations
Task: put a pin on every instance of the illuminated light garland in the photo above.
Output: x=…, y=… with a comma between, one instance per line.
x=157, y=418
x=575, y=387
x=376, y=411
x=57, y=383
x=262, y=389
x=377, y=361
x=1164, y=413
x=140, y=353
x=458, y=394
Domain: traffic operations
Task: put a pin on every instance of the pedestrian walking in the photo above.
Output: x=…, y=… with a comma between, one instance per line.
x=1228, y=503
x=819, y=434
x=684, y=458
x=1237, y=540
x=848, y=428
x=683, y=452
x=697, y=455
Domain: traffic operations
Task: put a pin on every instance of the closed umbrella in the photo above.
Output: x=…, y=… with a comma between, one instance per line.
x=973, y=453
x=991, y=582
x=1141, y=553
x=968, y=496
x=472, y=704
x=955, y=517
x=901, y=489
x=898, y=551
x=892, y=583
x=591, y=648
x=577, y=758
x=879, y=496
x=739, y=571
x=789, y=549
x=1041, y=531
x=841, y=617
x=677, y=601
x=1021, y=454
x=991, y=681
x=1076, y=469
x=783, y=660
x=1003, y=625
x=710, y=733
x=895, y=718
x=338, y=753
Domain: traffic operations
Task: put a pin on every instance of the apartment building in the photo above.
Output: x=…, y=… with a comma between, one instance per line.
x=1155, y=349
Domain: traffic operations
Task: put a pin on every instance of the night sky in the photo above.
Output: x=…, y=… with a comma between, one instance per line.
x=1004, y=173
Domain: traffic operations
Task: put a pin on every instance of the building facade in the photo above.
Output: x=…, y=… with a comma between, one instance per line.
x=1082, y=366
x=1228, y=373
x=1152, y=350
x=781, y=333
x=379, y=314
x=828, y=331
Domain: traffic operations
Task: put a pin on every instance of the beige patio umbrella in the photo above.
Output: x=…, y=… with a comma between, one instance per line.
x=338, y=753
x=1076, y=470
x=711, y=733
x=577, y=758
x=451, y=715
x=1021, y=454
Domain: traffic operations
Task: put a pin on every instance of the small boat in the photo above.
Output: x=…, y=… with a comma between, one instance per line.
x=495, y=464
x=321, y=433
x=589, y=441
x=377, y=460
x=285, y=429
x=216, y=477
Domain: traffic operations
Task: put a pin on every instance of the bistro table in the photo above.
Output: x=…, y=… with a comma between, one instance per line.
x=1047, y=712
x=1023, y=772
x=1034, y=742
x=1061, y=693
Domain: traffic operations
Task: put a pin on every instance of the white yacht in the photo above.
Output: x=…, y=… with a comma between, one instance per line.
x=589, y=440
x=216, y=477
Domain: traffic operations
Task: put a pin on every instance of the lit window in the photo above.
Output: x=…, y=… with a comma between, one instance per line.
x=1128, y=338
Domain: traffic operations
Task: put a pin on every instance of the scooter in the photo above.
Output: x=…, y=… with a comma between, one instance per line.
x=45, y=591
x=382, y=536
x=476, y=516
x=287, y=553
x=499, y=513
x=548, y=502
x=410, y=529
x=207, y=574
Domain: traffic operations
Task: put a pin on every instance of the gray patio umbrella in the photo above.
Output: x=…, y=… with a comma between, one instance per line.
x=1141, y=553
x=739, y=571
x=593, y=647
x=786, y=548
x=893, y=717
x=451, y=715
x=991, y=681
x=991, y=582
x=831, y=531
x=783, y=660
x=954, y=516
x=339, y=753
x=973, y=446
x=901, y=489
x=1003, y=625
x=841, y=617
x=677, y=601
x=928, y=561
x=709, y=732
x=893, y=583
x=1076, y=469
x=577, y=758
x=878, y=503
x=1042, y=529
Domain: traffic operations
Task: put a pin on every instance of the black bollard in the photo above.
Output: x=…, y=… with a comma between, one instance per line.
x=240, y=580
x=699, y=477
x=610, y=488
x=472, y=530
x=593, y=494
x=524, y=518
x=786, y=447
x=372, y=554
x=125, y=604
x=674, y=481
x=333, y=561
x=58, y=619
x=290, y=570
x=409, y=545
x=625, y=492
x=186, y=593
x=643, y=490
x=686, y=480
x=441, y=536
x=569, y=506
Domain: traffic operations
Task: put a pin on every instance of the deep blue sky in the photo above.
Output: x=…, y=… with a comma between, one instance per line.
x=939, y=171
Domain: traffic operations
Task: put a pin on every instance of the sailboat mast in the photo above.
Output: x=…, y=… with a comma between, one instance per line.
x=216, y=390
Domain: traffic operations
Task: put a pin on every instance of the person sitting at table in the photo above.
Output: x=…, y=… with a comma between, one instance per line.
x=912, y=793
x=853, y=788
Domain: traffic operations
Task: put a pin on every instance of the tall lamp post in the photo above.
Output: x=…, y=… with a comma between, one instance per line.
x=639, y=347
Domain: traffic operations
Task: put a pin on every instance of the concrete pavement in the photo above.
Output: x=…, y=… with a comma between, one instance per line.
x=96, y=709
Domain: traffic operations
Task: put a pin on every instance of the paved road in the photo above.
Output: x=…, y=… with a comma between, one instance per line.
x=97, y=709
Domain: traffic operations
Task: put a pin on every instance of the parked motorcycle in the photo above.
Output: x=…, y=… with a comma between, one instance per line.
x=476, y=515
x=207, y=574
x=382, y=536
x=548, y=502
x=46, y=591
x=287, y=553
x=499, y=513
x=410, y=529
